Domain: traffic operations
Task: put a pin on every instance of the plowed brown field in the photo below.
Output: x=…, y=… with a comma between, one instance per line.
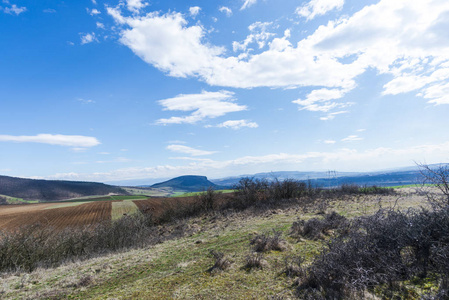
x=52, y=214
x=158, y=205
x=12, y=217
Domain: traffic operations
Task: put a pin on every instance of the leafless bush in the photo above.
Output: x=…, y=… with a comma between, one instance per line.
x=255, y=260
x=221, y=261
x=387, y=247
x=266, y=242
x=293, y=266
x=319, y=228
x=208, y=199
x=437, y=176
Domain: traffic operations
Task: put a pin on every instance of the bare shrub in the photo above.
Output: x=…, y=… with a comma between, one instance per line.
x=293, y=266
x=221, y=261
x=439, y=177
x=266, y=242
x=385, y=248
x=255, y=261
x=208, y=199
x=319, y=228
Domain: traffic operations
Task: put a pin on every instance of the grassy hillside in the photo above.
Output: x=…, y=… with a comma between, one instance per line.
x=181, y=268
x=52, y=190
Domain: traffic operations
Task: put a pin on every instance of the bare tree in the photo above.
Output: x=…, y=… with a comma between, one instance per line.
x=437, y=176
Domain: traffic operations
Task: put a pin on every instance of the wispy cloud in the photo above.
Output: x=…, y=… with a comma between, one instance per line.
x=189, y=150
x=76, y=141
x=235, y=124
x=318, y=8
x=88, y=38
x=204, y=105
x=14, y=9
x=341, y=159
x=352, y=138
x=247, y=3
x=226, y=10
x=93, y=11
x=49, y=10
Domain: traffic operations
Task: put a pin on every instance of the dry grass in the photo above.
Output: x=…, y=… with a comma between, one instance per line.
x=177, y=269
x=123, y=208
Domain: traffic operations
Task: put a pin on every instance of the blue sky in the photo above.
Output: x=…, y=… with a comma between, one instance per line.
x=125, y=90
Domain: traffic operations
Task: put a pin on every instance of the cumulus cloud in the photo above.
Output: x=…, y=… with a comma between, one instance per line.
x=135, y=5
x=410, y=45
x=88, y=38
x=259, y=35
x=247, y=3
x=226, y=10
x=318, y=8
x=204, y=105
x=236, y=124
x=76, y=141
x=14, y=9
x=189, y=150
x=194, y=11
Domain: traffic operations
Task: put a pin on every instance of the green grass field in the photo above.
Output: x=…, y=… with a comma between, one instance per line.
x=189, y=194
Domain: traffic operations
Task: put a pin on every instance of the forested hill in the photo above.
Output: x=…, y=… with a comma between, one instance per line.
x=189, y=183
x=51, y=190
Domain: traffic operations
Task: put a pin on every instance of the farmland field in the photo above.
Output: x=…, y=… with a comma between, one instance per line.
x=83, y=212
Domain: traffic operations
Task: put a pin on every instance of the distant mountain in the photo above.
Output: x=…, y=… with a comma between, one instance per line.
x=51, y=190
x=188, y=183
x=282, y=175
x=400, y=176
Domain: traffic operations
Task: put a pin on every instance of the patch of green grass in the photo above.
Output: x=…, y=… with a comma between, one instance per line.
x=126, y=207
x=189, y=194
x=14, y=200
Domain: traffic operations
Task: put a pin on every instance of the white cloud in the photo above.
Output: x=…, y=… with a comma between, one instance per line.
x=115, y=160
x=236, y=124
x=94, y=2
x=331, y=116
x=14, y=9
x=93, y=11
x=49, y=11
x=76, y=141
x=247, y=3
x=194, y=11
x=85, y=101
x=259, y=35
x=135, y=5
x=204, y=105
x=352, y=138
x=100, y=25
x=341, y=160
x=319, y=100
x=226, y=10
x=88, y=38
x=410, y=43
x=329, y=142
x=104, y=153
x=318, y=8
x=189, y=150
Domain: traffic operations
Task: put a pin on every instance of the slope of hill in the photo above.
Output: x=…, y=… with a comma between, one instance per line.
x=188, y=183
x=51, y=190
